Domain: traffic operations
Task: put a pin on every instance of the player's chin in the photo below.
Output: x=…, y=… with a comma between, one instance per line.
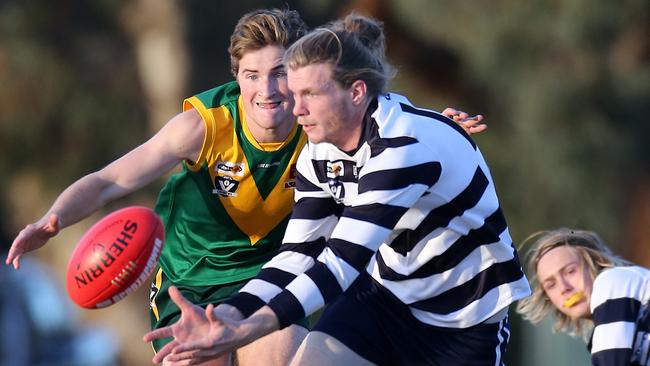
x=579, y=311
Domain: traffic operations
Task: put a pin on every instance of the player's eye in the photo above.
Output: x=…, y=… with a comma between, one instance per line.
x=549, y=285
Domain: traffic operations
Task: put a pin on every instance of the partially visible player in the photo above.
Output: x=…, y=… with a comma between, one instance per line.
x=585, y=286
x=397, y=228
x=226, y=212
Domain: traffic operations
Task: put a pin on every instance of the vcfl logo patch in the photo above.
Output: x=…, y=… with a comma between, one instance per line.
x=225, y=186
x=337, y=189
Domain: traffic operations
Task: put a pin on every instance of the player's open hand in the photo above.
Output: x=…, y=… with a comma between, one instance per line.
x=32, y=237
x=471, y=125
x=202, y=334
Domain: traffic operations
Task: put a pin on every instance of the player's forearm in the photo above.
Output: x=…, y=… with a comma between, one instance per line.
x=82, y=198
x=261, y=323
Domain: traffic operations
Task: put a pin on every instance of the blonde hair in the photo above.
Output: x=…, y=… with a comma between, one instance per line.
x=355, y=47
x=596, y=256
x=261, y=28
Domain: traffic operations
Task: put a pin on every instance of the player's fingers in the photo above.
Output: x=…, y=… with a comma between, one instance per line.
x=185, y=355
x=475, y=119
x=10, y=258
x=16, y=261
x=164, y=351
x=15, y=250
x=158, y=334
x=192, y=357
x=179, y=299
x=169, y=361
x=472, y=121
x=478, y=129
x=449, y=112
x=209, y=313
x=192, y=346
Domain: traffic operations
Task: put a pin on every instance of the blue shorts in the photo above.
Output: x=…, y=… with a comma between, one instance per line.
x=372, y=322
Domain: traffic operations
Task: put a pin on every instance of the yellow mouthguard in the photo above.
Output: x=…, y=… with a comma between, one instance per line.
x=574, y=299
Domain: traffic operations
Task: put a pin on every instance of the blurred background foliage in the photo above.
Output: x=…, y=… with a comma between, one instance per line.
x=564, y=86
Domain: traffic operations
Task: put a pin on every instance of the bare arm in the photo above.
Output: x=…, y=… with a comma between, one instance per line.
x=181, y=138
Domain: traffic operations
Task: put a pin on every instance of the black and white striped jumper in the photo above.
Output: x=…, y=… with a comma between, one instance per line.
x=620, y=310
x=414, y=206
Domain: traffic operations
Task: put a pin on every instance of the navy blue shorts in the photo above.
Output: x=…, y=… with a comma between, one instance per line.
x=380, y=328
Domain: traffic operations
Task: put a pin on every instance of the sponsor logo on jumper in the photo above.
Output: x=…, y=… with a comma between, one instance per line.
x=268, y=165
x=335, y=169
x=230, y=168
x=225, y=186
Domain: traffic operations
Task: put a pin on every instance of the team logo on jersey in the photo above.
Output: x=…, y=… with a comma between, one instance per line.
x=337, y=189
x=335, y=169
x=225, y=186
x=229, y=168
x=291, y=182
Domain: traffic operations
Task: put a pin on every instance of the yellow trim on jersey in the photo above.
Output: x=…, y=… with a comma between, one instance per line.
x=253, y=215
x=158, y=285
x=278, y=204
x=210, y=128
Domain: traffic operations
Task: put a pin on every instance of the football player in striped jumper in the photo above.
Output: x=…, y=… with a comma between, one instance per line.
x=396, y=228
x=577, y=278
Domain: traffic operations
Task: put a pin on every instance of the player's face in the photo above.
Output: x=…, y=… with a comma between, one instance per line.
x=324, y=109
x=562, y=274
x=266, y=100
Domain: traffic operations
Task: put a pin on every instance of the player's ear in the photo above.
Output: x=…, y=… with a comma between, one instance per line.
x=358, y=91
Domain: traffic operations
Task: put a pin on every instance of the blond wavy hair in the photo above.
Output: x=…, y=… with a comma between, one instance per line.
x=596, y=256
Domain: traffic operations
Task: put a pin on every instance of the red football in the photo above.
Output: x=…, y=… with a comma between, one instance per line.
x=114, y=257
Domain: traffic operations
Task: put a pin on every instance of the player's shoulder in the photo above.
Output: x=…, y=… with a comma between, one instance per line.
x=616, y=275
x=622, y=281
x=221, y=95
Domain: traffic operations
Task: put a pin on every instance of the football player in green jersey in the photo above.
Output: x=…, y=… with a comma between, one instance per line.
x=226, y=212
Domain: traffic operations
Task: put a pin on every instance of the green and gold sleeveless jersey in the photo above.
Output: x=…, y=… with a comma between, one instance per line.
x=225, y=214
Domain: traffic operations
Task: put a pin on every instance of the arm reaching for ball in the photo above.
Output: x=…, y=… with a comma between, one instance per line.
x=202, y=335
x=181, y=138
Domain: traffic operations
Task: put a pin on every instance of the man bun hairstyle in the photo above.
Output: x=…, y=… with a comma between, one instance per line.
x=355, y=47
x=261, y=28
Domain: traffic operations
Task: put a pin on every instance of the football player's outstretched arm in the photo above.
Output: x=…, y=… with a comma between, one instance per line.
x=181, y=138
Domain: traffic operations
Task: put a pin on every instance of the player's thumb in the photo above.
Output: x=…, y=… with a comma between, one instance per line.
x=54, y=224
